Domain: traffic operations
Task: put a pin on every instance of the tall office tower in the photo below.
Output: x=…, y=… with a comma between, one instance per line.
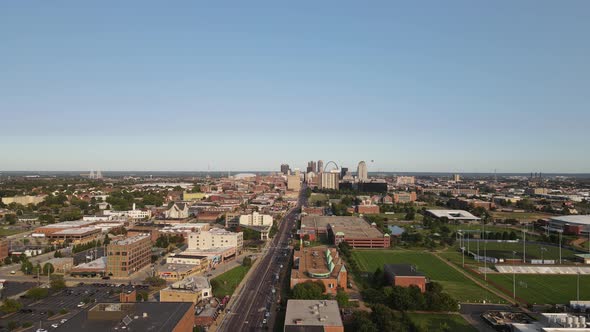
x=311, y=167
x=343, y=172
x=320, y=166
x=456, y=177
x=285, y=169
x=362, y=172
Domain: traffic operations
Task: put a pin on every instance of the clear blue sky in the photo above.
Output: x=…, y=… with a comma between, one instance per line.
x=460, y=86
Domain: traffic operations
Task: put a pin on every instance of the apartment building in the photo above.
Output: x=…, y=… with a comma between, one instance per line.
x=215, y=238
x=256, y=219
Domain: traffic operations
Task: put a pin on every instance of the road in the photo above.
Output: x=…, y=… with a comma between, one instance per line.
x=249, y=308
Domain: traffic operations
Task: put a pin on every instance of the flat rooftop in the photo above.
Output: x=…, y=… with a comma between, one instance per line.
x=311, y=313
x=143, y=316
x=350, y=227
x=77, y=231
x=401, y=270
x=453, y=214
x=574, y=219
x=190, y=283
x=130, y=240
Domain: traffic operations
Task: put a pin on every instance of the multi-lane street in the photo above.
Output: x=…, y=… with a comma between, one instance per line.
x=249, y=310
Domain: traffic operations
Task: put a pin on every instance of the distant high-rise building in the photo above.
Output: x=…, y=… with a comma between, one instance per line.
x=343, y=172
x=98, y=175
x=362, y=172
x=294, y=182
x=320, y=166
x=329, y=180
x=311, y=167
x=456, y=177
x=404, y=180
x=285, y=169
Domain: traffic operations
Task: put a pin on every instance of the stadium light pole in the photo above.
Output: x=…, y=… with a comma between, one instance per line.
x=524, y=244
x=513, y=276
x=485, y=255
x=578, y=287
x=560, y=247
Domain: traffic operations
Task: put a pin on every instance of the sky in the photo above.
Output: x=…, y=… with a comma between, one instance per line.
x=457, y=86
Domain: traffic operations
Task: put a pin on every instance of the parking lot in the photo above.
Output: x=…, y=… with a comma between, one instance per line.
x=70, y=299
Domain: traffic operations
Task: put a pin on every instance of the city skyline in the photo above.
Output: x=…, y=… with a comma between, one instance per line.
x=430, y=87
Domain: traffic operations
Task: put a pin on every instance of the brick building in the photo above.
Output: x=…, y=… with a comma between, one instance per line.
x=404, y=275
x=319, y=264
x=129, y=255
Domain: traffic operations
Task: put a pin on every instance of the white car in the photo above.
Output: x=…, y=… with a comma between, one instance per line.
x=63, y=320
x=54, y=325
x=41, y=330
x=81, y=304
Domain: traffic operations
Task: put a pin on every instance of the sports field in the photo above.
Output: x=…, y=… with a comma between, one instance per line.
x=438, y=322
x=454, y=283
x=545, y=289
x=533, y=251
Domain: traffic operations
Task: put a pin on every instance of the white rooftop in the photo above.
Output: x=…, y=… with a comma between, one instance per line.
x=574, y=219
x=76, y=231
x=312, y=313
x=131, y=239
x=453, y=214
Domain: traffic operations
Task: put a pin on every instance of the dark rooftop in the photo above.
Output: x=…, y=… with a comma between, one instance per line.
x=140, y=316
x=401, y=270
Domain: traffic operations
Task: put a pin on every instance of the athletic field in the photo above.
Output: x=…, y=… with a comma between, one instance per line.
x=543, y=288
x=454, y=283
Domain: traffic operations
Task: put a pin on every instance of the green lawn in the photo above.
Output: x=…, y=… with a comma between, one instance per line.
x=504, y=250
x=317, y=198
x=545, y=289
x=435, y=322
x=526, y=216
x=226, y=283
x=8, y=232
x=455, y=283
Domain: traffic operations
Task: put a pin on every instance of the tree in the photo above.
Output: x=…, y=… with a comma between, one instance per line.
x=106, y=240
x=26, y=267
x=309, y=290
x=10, y=305
x=247, y=261
x=342, y=298
x=162, y=242
x=142, y=295
x=37, y=269
x=362, y=322
x=37, y=293
x=57, y=282
x=57, y=254
x=48, y=268
x=10, y=218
